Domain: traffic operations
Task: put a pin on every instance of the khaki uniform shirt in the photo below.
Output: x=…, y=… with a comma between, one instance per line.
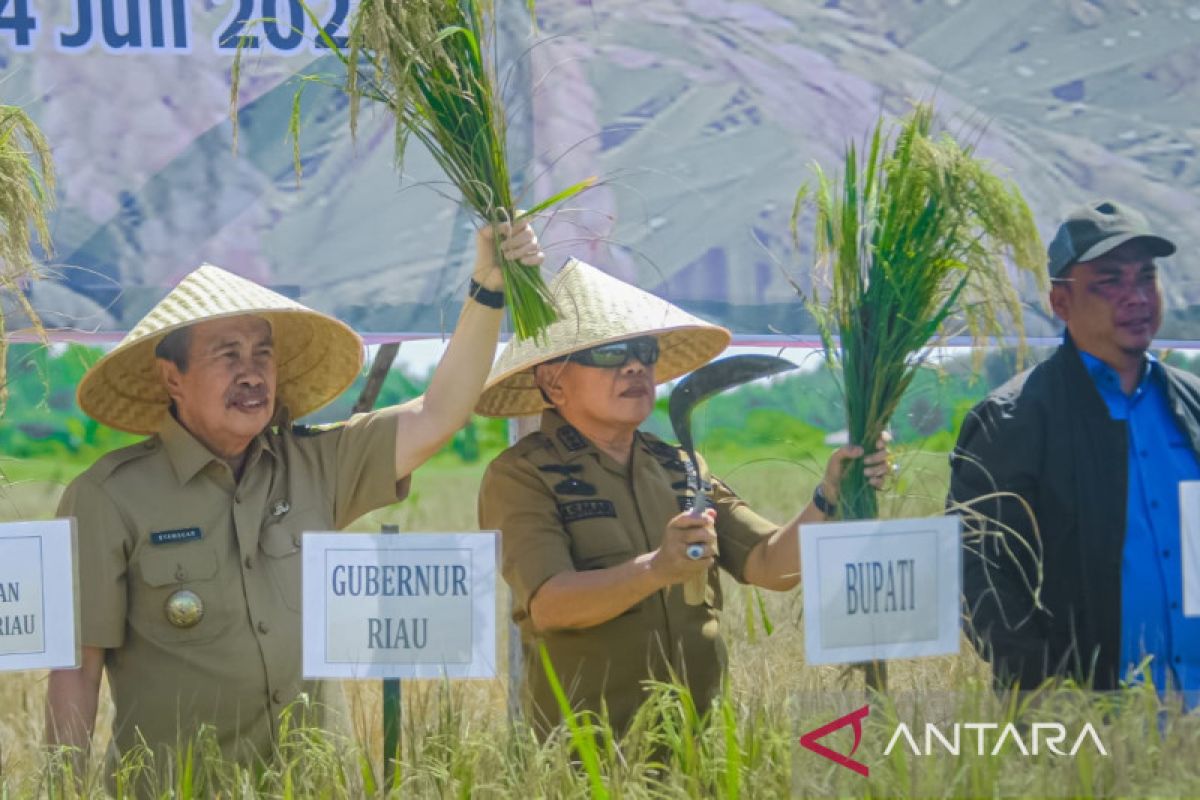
x=166, y=515
x=563, y=505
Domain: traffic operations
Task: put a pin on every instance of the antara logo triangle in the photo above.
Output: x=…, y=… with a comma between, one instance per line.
x=810, y=740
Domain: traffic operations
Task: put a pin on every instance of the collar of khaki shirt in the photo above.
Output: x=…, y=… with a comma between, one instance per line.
x=570, y=444
x=188, y=456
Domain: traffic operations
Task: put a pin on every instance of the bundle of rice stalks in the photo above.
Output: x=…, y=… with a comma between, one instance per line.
x=26, y=195
x=914, y=245
x=429, y=63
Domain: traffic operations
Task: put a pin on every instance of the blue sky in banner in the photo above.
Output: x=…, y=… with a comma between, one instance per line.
x=701, y=117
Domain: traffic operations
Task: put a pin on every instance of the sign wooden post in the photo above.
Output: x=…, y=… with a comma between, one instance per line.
x=393, y=707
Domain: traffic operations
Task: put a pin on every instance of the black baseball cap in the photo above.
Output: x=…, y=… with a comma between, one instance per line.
x=1097, y=228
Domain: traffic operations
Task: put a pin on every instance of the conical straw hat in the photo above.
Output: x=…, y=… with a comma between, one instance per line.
x=596, y=308
x=316, y=356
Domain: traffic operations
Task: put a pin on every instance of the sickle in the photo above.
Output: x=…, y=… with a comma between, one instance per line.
x=711, y=379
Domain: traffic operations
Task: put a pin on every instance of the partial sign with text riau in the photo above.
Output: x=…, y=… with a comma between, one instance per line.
x=881, y=589
x=39, y=598
x=413, y=605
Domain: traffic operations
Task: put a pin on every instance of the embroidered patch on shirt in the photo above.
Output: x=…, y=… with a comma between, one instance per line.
x=177, y=535
x=575, y=486
x=675, y=465
x=586, y=509
x=572, y=439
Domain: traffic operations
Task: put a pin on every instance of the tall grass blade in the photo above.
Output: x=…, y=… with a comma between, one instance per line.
x=581, y=736
x=565, y=194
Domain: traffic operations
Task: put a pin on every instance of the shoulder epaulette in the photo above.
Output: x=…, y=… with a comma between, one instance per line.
x=660, y=448
x=528, y=444
x=110, y=462
x=670, y=456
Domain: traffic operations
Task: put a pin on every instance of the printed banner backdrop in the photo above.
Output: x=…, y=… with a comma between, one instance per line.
x=702, y=117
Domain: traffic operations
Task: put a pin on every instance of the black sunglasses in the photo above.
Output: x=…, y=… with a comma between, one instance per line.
x=615, y=354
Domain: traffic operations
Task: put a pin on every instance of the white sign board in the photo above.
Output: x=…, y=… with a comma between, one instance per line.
x=881, y=589
x=1189, y=547
x=39, y=598
x=408, y=605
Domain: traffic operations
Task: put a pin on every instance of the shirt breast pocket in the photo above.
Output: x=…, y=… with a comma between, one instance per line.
x=598, y=543
x=1179, y=441
x=1182, y=463
x=280, y=541
x=180, y=598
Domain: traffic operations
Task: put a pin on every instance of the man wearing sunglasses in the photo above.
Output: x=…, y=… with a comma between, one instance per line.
x=1091, y=446
x=614, y=354
x=597, y=537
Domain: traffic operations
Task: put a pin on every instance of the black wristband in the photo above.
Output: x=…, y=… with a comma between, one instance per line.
x=485, y=297
x=821, y=501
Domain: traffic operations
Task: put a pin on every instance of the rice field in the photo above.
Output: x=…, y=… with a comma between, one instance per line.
x=459, y=740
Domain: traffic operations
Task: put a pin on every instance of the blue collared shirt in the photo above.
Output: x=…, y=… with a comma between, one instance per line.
x=1160, y=456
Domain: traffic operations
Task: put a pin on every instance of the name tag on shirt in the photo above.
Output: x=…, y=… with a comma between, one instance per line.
x=173, y=536
x=586, y=509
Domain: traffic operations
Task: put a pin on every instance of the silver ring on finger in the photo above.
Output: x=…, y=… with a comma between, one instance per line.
x=695, y=551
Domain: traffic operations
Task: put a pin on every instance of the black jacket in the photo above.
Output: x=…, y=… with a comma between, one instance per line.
x=1047, y=436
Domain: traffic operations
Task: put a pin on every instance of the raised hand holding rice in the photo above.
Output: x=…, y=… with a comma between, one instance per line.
x=429, y=63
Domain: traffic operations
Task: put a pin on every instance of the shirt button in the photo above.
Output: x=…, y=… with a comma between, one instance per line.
x=1178, y=659
x=237, y=498
x=249, y=562
x=1142, y=453
x=277, y=697
x=1166, y=553
x=1174, y=605
x=263, y=627
x=1154, y=504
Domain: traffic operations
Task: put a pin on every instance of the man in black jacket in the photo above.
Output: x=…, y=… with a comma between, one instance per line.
x=1091, y=444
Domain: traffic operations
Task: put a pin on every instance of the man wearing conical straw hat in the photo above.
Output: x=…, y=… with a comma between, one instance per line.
x=594, y=545
x=190, y=541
